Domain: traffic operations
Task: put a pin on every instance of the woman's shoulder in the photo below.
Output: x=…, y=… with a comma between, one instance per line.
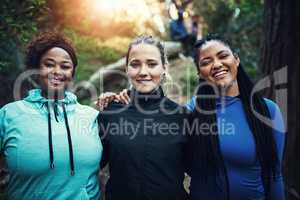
x=273, y=107
x=86, y=110
x=174, y=106
x=16, y=108
x=191, y=104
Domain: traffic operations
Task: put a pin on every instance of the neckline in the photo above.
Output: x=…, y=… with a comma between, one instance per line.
x=227, y=100
x=151, y=97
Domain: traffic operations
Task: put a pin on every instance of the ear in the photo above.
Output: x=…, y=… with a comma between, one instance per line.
x=166, y=66
x=199, y=74
x=237, y=59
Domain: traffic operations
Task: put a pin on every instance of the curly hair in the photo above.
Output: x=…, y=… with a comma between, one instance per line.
x=42, y=43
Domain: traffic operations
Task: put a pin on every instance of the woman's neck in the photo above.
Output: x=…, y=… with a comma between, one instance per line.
x=231, y=91
x=146, y=93
x=56, y=95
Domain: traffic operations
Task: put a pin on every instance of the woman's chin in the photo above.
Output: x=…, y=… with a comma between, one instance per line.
x=145, y=89
x=224, y=83
x=53, y=92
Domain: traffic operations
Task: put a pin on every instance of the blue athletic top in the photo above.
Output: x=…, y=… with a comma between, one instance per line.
x=238, y=150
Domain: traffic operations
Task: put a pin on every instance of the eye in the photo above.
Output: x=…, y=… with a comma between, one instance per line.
x=152, y=64
x=66, y=67
x=134, y=64
x=223, y=55
x=205, y=62
x=49, y=65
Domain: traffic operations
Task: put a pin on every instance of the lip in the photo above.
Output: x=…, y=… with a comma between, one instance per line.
x=144, y=81
x=220, y=74
x=56, y=80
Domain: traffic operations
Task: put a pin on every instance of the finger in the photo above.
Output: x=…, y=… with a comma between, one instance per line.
x=125, y=96
x=106, y=95
x=105, y=105
x=111, y=98
x=118, y=98
x=123, y=99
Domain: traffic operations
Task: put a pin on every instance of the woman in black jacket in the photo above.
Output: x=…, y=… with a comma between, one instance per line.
x=144, y=140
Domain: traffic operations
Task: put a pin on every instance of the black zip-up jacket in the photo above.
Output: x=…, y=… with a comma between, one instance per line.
x=144, y=144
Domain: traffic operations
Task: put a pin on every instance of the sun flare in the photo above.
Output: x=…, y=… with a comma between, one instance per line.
x=119, y=9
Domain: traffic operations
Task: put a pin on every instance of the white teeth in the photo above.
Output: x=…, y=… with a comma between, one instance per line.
x=144, y=80
x=216, y=75
x=56, y=78
x=56, y=81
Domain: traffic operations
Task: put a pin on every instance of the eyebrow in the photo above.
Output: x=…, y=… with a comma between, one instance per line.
x=49, y=59
x=53, y=60
x=66, y=61
x=151, y=60
x=147, y=60
x=220, y=52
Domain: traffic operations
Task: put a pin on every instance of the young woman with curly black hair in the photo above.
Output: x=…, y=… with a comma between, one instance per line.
x=50, y=142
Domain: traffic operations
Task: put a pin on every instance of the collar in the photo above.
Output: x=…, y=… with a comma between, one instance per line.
x=226, y=100
x=35, y=95
x=152, y=97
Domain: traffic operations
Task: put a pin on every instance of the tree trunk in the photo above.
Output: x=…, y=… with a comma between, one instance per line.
x=281, y=50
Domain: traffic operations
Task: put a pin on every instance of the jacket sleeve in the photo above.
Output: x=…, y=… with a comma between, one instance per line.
x=104, y=141
x=2, y=129
x=277, y=186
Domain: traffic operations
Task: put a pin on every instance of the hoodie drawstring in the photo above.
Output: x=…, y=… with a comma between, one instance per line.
x=72, y=166
x=55, y=109
x=69, y=141
x=50, y=138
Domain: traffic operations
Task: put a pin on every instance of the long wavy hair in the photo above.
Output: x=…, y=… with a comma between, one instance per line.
x=206, y=154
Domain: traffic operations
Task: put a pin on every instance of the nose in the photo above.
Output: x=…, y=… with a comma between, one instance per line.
x=144, y=70
x=57, y=70
x=217, y=64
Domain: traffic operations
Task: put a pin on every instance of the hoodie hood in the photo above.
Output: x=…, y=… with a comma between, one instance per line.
x=35, y=95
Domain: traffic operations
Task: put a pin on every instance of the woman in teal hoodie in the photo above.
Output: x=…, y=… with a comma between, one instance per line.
x=49, y=141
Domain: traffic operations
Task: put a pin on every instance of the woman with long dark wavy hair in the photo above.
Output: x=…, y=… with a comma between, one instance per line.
x=234, y=153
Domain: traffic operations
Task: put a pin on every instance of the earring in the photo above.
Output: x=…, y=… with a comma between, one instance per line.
x=163, y=78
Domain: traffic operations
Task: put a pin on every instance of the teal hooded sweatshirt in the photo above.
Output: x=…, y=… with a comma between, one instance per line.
x=52, y=148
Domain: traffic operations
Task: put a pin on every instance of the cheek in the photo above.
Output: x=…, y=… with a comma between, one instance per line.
x=70, y=74
x=157, y=72
x=204, y=73
x=234, y=70
x=132, y=73
x=156, y=75
x=44, y=71
x=43, y=76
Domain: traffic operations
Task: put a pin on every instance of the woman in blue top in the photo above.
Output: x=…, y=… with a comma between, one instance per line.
x=237, y=140
x=50, y=142
x=237, y=148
